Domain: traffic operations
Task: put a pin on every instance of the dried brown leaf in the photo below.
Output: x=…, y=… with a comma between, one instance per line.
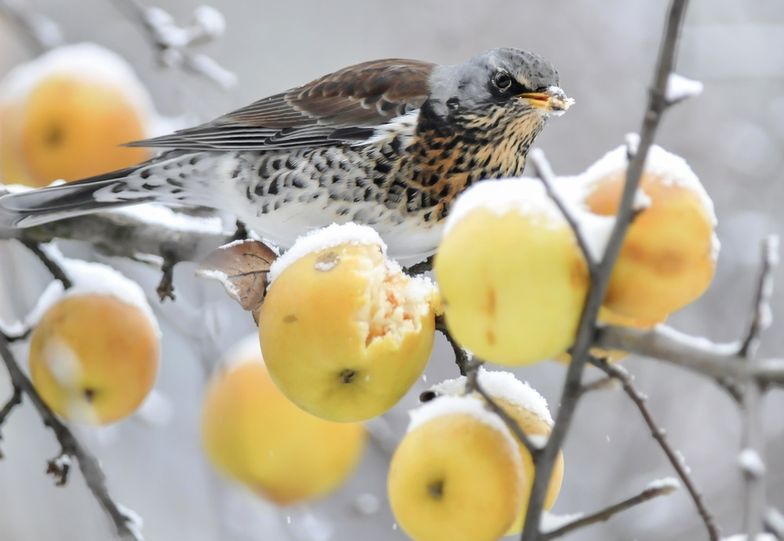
x=242, y=268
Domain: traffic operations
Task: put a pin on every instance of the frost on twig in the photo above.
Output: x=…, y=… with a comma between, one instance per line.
x=41, y=32
x=71, y=449
x=675, y=458
x=680, y=88
x=655, y=489
x=762, y=315
x=585, y=335
x=174, y=42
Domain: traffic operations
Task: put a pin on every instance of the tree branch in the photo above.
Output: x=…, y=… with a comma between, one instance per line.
x=512, y=424
x=174, y=42
x=649, y=493
x=462, y=359
x=125, y=234
x=761, y=316
x=545, y=173
x=715, y=360
x=70, y=447
x=54, y=269
x=659, y=435
x=40, y=32
x=753, y=437
x=570, y=394
x=15, y=400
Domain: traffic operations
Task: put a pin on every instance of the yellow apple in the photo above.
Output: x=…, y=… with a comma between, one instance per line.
x=64, y=115
x=511, y=274
x=344, y=332
x=457, y=474
x=529, y=409
x=255, y=435
x=669, y=255
x=94, y=357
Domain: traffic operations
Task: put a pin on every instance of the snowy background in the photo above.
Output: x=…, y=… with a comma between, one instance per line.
x=733, y=137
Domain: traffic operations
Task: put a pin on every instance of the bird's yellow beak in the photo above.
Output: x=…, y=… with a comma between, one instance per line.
x=552, y=101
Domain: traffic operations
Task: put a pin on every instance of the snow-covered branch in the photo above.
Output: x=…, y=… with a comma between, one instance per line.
x=40, y=32
x=654, y=490
x=660, y=436
x=572, y=389
x=138, y=233
x=174, y=42
x=124, y=521
x=716, y=360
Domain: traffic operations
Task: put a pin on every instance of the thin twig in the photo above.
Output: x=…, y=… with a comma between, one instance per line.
x=173, y=42
x=512, y=424
x=601, y=384
x=761, y=315
x=585, y=334
x=40, y=32
x=50, y=264
x=165, y=287
x=715, y=360
x=660, y=436
x=545, y=173
x=462, y=359
x=753, y=437
x=607, y=513
x=15, y=400
x=24, y=335
x=88, y=464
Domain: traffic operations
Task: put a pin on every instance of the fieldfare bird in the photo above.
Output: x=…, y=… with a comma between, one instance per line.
x=387, y=143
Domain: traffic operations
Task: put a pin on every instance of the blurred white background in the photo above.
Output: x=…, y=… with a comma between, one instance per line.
x=733, y=137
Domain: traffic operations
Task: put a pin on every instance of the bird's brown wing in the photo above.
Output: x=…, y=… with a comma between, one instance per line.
x=346, y=105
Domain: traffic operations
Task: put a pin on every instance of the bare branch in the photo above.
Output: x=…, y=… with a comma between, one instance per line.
x=570, y=394
x=15, y=400
x=600, y=384
x=761, y=318
x=774, y=523
x=24, y=335
x=51, y=265
x=462, y=359
x=125, y=235
x=545, y=173
x=513, y=425
x=88, y=464
x=696, y=354
x=40, y=32
x=660, y=436
x=174, y=42
x=165, y=287
x=752, y=436
x=607, y=513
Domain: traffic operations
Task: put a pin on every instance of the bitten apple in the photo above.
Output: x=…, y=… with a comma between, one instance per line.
x=344, y=332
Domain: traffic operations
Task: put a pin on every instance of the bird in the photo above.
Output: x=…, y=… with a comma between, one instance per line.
x=386, y=143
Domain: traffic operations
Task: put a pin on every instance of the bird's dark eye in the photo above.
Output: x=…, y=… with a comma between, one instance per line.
x=502, y=81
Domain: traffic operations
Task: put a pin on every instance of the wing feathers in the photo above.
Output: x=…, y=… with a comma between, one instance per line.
x=345, y=105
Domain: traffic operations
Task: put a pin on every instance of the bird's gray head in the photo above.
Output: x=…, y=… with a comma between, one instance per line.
x=509, y=78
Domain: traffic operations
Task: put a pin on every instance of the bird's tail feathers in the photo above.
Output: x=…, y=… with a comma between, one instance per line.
x=36, y=207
